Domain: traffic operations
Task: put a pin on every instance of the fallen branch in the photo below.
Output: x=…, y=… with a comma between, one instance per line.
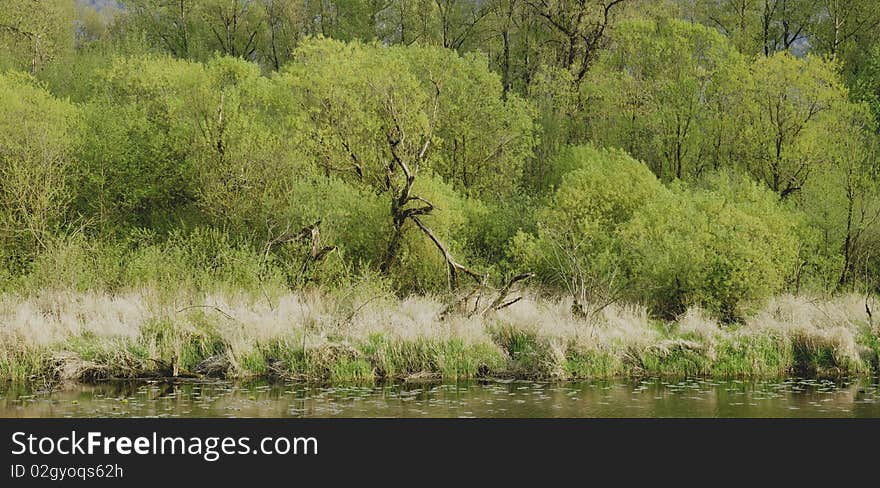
x=507, y=304
x=498, y=303
x=212, y=307
x=452, y=265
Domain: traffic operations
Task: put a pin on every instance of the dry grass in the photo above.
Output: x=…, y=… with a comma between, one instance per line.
x=835, y=330
x=359, y=336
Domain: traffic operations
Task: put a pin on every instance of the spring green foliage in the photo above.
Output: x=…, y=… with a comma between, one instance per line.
x=706, y=153
x=38, y=135
x=724, y=245
x=611, y=227
x=794, y=106
x=352, y=94
x=34, y=34
x=666, y=92
x=577, y=246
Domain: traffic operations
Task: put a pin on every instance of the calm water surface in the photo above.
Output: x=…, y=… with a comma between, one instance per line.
x=647, y=398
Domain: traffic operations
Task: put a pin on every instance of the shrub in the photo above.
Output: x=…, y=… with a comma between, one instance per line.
x=576, y=247
x=136, y=159
x=724, y=246
x=612, y=230
x=420, y=266
x=38, y=135
x=79, y=264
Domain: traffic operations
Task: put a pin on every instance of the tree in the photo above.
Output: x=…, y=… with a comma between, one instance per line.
x=389, y=132
x=865, y=83
x=576, y=248
x=246, y=155
x=287, y=25
x=483, y=139
x=784, y=23
x=580, y=28
x=33, y=34
x=739, y=20
x=793, y=103
x=842, y=23
x=137, y=159
x=857, y=151
x=373, y=128
x=460, y=20
x=665, y=90
x=724, y=244
x=38, y=135
x=169, y=24
x=504, y=14
x=842, y=202
x=196, y=29
x=760, y=26
x=92, y=24
x=236, y=26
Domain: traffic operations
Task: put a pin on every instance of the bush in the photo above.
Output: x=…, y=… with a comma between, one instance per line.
x=79, y=264
x=352, y=217
x=612, y=230
x=38, y=134
x=491, y=225
x=724, y=246
x=136, y=159
x=576, y=247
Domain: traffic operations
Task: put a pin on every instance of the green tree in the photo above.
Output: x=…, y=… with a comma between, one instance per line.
x=665, y=90
x=33, y=34
x=287, y=24
x=759, y=26
x=245, y=157
x=793, y=105
x=865, y=83
x=387, y=118
x=577, y=248
x=843, y=202
x=580, y=29
x=168, y=24
x=725, y=245
x=482, y=138
x=38, y=136
x=236, y=27
x=137, y=158
x=842, y=26
x=739, y=20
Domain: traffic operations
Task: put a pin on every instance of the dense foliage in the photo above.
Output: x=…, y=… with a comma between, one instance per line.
x=671, y=153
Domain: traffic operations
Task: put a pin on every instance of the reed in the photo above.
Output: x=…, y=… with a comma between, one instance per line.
x=320, y=337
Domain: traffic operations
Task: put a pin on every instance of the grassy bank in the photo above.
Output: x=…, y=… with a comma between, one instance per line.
x=354, y=337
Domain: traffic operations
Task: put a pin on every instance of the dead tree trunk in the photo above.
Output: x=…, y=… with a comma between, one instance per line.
x=402, y=198
x=407, y=207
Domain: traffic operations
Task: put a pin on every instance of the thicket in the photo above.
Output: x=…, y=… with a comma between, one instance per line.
x=638, y=156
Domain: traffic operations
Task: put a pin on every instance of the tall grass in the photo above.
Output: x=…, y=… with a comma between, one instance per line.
x=363, y=334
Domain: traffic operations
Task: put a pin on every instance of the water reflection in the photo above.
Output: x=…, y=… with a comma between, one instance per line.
x=646, y=398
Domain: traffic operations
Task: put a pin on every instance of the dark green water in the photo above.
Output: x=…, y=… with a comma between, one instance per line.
x=647, y=398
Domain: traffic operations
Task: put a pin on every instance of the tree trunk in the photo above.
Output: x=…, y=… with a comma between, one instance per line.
x=505, y=70
x=847, y=244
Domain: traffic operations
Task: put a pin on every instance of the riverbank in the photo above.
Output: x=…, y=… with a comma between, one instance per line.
x=316, y=337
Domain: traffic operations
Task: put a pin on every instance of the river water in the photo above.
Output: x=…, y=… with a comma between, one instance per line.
x=617, y=398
